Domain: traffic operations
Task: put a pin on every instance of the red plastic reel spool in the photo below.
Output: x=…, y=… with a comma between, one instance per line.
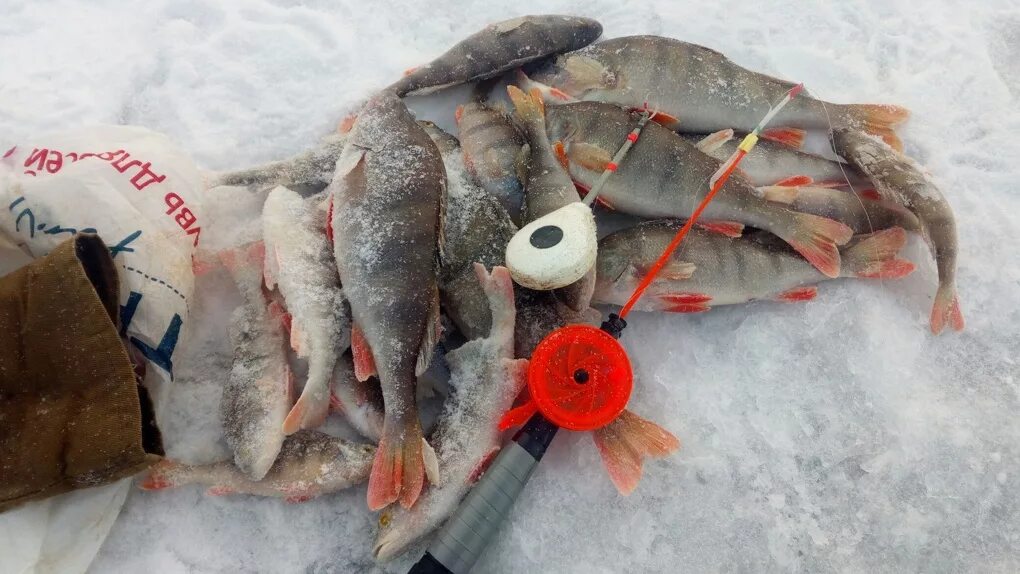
x=580, y=378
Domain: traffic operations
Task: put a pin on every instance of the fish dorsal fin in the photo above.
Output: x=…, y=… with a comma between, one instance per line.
x=433, y=328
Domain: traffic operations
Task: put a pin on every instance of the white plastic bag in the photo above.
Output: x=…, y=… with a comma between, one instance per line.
x=142, y=195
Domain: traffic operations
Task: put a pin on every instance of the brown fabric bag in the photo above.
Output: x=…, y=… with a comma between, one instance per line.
x=72, y=414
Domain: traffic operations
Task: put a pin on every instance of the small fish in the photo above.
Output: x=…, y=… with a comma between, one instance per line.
x=485, y=379
x=360, y=402
x=859, y=213
x=899, y=178
x=477, y=229
x=311, y=169
x=299, y=263
x=699, y=89
x=773, y=163
x=711, y=269
x=498, y=48
x=257, y=395
x=310, y=464
x=495, y=154
x=549, y=186
x=388, y=193
x=665, y=176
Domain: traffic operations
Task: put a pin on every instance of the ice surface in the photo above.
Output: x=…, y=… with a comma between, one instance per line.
x=834, y=435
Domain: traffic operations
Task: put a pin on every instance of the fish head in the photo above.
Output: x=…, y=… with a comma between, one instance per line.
x=446, y=142
x=580, y=31
x=398, y=529
x=562, y=124
x=568, y=33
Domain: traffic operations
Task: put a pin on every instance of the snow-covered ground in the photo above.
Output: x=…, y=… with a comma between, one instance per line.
x=833, y=435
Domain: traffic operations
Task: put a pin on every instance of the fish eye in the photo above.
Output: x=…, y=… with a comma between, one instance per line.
x=385, y=519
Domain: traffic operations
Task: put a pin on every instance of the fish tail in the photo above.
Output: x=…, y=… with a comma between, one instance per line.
x=499, y=290
x=311, y=408
x=529, y=108
x=166, y=474
x=946, y=310
x=874, y=256
x=625, y=442
x=879, y=120
x=398, y=471
x=816, y=238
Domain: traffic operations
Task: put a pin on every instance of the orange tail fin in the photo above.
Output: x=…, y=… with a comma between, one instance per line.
x=308, y=412
x=874, y=256
x=946, y=310
x=879, y=120
x=816, y=238
x=398, y=471
x=625, y=442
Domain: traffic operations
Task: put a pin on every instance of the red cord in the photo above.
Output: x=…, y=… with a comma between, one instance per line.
x=661, y=261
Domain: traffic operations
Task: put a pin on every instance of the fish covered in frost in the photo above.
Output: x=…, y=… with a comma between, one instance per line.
x=485, y=379
x=700, y=90
x=257, y=394
x=476, y=230
x=312, y=169
x=549, y=186
x=299, y=263
x=860, y=213
x=388, y=193
x=494, y=153
x=665, y=176
x=498, y=48
x=310, y=464
x=900, y=179
x=711, y=269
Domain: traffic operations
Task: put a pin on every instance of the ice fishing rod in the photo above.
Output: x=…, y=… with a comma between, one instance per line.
x=579, y=378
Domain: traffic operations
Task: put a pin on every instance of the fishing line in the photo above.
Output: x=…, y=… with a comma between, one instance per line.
x=716, y=182
x=867, y=216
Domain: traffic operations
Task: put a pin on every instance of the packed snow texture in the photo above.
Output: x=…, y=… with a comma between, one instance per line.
x=832, y=435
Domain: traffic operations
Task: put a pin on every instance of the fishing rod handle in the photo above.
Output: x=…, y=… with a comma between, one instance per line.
x=465, y=535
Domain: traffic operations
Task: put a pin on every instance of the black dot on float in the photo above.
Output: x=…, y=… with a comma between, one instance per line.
x=546, y=237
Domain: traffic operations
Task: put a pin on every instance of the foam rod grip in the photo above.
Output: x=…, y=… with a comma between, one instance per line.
x=465, y=536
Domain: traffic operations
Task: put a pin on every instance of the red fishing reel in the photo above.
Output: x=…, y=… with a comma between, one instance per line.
x=579, y=378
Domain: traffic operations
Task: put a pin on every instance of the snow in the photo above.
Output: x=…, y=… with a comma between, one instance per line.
x=833, y=435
